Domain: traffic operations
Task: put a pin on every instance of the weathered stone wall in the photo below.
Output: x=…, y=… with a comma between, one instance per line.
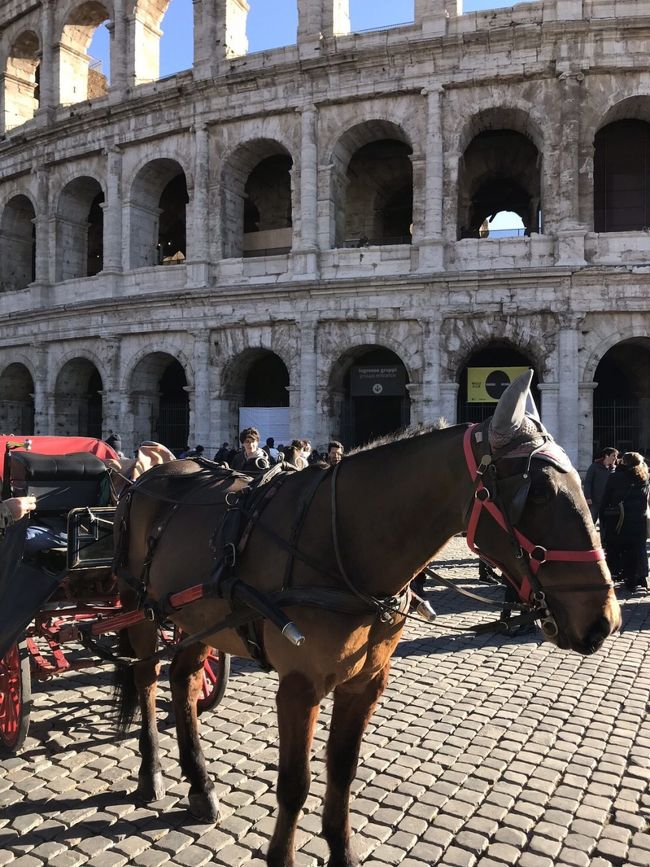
x=554, y=72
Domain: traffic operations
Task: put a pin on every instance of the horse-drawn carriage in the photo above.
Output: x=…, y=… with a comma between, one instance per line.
x=57, y=588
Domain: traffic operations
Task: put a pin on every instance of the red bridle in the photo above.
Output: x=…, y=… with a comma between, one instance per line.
x=536, y=553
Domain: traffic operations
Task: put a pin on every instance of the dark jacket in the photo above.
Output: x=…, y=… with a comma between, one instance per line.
x=627, y=488
x=596, y=481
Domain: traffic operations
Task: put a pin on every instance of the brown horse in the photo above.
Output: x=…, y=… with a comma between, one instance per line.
x=366, y=530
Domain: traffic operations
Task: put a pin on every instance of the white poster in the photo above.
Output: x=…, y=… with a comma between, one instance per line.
x=270, y=421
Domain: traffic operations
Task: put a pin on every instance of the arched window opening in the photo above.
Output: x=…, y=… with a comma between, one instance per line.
x=486, y=376
x=256, y=385
x=251, y=32
x=499, y=171
x=16, y=400
x=505, y=224
x=81, y=76
x=380, y=16
x=158, y=215
x=177, y=40
x=368, y=395
x=257, y=203
x=622, y=398
x=17, y=245
x=79, y=230
x=379, y=195
x=21, y=80
x=267, y=207
x=622, y=177
x=78, y=399
x=99, y=64
x=171, y=228
x=160, y=401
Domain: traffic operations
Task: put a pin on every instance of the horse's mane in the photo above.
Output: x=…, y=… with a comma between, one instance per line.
x=403, y=434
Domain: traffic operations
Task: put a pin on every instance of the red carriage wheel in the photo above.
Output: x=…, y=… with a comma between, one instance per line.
x=15, y=698
x=216, y=670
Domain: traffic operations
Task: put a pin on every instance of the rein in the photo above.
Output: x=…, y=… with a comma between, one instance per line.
x=531, y=591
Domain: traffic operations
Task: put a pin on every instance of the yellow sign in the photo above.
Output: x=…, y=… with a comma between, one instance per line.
x=487, y=384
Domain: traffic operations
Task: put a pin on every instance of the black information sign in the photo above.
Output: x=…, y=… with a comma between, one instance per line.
x=379, y=381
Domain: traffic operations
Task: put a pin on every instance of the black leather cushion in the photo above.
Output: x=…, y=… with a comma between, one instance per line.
x=59, y=482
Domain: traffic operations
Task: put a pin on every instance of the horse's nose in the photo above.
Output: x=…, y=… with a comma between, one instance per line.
x=596, y=635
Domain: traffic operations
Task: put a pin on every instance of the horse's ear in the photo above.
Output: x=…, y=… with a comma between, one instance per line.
x=510, y=411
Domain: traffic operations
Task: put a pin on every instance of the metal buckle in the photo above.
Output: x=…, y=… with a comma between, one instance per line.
x=229, y=554
x=538, y=553
x=231, y=499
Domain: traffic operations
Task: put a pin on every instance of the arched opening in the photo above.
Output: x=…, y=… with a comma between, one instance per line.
x=80, y=75
x=16, y=400
x=257, y=200
x=377, y=206
x=158, y=210
x=160, y=401
x=256, y=35
x=505, y=224
x=369, y=395
x=17, y=244
x=99, y=65
x=267, y=207
x=177, y=40
x=485, y=377
x=21, y=80
x=256, y=385
x=80, y=230
x=78, y=400
x=499, y=171
x=622, y=398
x=622, y=177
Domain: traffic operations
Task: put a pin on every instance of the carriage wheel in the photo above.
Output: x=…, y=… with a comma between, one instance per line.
x=15, y=698
x=216, y=670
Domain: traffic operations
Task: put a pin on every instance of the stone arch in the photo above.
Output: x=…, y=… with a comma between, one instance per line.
x=372, y=185
x=77, y=81
x=159, y=396
x=368, y=393
x=147, y=19
x=158, y=214
x=621, y=401
x=80, y=229
x=21, y=79
x=255, y=387
x=621, y=171
x=17, y=244
x=16, y=399
x=78, y=401
x=257, y=189
x=499, y=170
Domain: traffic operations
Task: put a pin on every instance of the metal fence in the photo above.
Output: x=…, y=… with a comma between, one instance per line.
x=617, y=424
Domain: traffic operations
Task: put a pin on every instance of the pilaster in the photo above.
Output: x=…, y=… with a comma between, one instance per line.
x=119, y=52
x=432, y=243
x=48, y=83
x=307, y=395
x=305, y=251
x=197, y=239
x=319, y=20
x=449, y=401
x=113, y=212
x=570, y=247
x=200, y=417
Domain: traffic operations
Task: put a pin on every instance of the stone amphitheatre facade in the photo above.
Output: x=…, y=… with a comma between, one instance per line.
x=267, y=229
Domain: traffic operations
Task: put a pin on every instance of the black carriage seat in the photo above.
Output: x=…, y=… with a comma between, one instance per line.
x=59, y=482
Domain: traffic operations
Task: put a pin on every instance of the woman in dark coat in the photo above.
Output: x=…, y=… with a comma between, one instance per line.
x=623, y=521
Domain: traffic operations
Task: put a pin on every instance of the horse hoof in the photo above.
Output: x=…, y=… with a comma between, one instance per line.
x=150, y=788
x=205, y=807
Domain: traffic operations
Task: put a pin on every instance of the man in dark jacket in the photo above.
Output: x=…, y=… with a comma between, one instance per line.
x=596, y=479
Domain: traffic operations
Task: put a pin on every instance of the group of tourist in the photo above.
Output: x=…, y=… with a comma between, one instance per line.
x=251, y=456
x=617, y=490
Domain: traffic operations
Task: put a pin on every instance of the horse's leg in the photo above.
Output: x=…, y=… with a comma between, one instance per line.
x=144, y=640
x=354, y=703
x=298, y=706
x=186, y=676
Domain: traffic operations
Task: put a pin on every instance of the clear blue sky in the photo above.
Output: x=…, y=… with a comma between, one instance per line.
x=271, y=23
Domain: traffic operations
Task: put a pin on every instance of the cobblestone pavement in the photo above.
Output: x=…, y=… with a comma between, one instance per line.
x=485, y=751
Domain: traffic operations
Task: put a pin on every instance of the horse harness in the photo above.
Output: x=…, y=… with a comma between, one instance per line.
x=244, y=509
x=503, y=500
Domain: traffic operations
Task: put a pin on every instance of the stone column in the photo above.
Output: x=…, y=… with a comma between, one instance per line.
x=449, y=401
x=43, y=403
x=431, y=409
x=112, y=208
x=119, y=53
x=305, y=252
x=432, y=243
x=549, y=411
x=571, y=235
x=112, y=403
x=586, y=425
x=414, y=390
x=319, y=20
x=197, y=239
x=432, y=15
x=308, y=367
x=43, y=225
x=48, y=84
x=568, y=398
x=200, y=419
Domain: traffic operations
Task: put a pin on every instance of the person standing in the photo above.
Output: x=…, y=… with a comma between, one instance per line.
x=250, y=457
x=334, y=452
x=270, y=449
x=624, y=523
x=596, y=479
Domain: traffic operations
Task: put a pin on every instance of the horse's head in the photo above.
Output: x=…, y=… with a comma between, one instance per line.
x=529, y=517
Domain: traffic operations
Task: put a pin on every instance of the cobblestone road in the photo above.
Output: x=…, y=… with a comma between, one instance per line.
x=485, y=751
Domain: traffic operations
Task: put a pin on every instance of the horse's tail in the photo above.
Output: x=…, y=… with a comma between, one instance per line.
x=125, y=693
